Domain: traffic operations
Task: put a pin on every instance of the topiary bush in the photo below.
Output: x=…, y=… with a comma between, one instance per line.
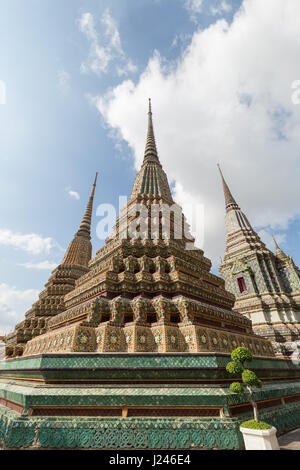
x=249, y=379
x=252, y=424
x=234, y=368
x=241, y=355
x=237, y=388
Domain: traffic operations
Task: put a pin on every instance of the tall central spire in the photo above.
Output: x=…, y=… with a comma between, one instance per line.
x=230, y=202
x=151, y=180
x=150, y=150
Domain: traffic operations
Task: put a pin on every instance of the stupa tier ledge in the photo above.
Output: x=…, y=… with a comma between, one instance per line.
x=147, y=325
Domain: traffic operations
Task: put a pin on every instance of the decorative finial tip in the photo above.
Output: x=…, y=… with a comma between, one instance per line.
x=219, y=168
x=96, y=177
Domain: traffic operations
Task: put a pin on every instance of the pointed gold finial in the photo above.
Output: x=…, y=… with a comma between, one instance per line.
x=229, y=199
x=150, y=150
x=275, y=241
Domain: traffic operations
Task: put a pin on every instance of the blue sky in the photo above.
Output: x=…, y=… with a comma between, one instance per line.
x=78, y=75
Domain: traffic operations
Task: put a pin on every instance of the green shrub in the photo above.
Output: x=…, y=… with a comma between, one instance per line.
x=258, y=383
x=252, y=424
x=241, y=355
x=234, y=368
x=237, y=387
x=249, y=377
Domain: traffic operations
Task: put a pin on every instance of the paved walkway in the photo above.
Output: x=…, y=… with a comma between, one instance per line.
x=290, y=441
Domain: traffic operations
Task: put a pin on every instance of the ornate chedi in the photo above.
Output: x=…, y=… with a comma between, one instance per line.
x=137, y=358
x=62, y=280
x=144, y=290
x=266, y=286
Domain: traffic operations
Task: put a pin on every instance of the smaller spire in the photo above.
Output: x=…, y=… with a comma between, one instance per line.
x=85, y=226
x=229, y=199
x=279, y=253
x=150, y=150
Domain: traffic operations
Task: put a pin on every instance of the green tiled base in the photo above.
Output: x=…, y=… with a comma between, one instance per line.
x=129, y=367
x=115, y=433
x=154, y=381
x=29, y=396
x=136, y=360
x=133, y=433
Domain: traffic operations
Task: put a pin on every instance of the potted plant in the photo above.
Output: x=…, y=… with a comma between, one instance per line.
x=257, y=435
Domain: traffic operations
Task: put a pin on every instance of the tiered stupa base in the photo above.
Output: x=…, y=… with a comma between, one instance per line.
x=161, y=337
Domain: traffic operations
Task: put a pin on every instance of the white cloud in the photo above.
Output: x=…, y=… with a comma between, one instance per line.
x=13, y=305
x=63, y=79
x=229, y=101
x=222, y=7
x=43, y=265
x=73, y=194
x=194, y=7
x=110, y=51
x=181, y=40
x=31, y=243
